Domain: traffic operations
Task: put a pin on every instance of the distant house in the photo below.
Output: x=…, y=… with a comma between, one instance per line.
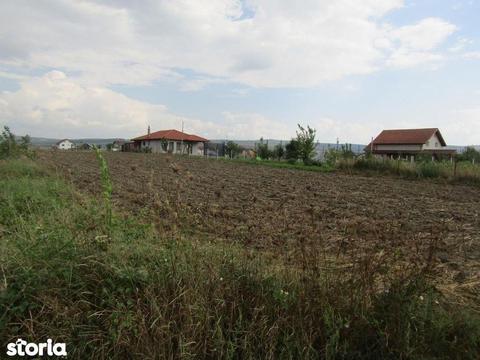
x=118, y=144
x=409, y=143
x=170, y=141
x=65, y=144
x=84, y=146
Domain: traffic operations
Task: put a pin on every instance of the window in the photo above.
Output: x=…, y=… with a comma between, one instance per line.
x=179, y=146
x=436, y=144
x=164, y=144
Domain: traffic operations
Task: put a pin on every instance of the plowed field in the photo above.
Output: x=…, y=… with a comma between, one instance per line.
x=289, y=212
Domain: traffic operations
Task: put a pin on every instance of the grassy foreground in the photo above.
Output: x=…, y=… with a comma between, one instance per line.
x=113, y=287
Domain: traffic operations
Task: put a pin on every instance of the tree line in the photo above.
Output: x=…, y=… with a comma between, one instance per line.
x=300, y=148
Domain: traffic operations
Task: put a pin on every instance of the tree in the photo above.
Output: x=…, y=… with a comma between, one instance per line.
x=278, y=151
x=9, y=147
x=292, y=151
x=262, y=150
x=232, y=149
x=346, y=151
x=470, y=154
x=306, y=143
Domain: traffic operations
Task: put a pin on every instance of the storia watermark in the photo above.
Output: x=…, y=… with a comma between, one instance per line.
x=24, y=348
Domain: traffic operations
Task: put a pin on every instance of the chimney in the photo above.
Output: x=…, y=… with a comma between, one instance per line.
x=148, y=133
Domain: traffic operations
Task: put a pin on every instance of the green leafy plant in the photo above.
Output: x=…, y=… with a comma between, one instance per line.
x=470, y=154
x=263, y=152
x=278, y=151
x=106, y=188
x=10, y=147
x=232, y=149
x=292, y=151
x=306, y=143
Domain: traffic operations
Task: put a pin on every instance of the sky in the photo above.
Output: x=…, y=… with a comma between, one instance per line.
x=240, y=69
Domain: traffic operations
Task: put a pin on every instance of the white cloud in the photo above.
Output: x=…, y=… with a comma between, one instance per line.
x=460, y=45
x=359, y=132
x=248, y=126
x=462, y=126
x=54, y=105
x=57, y=106
x=272, y=44
x=472, y=55
x=415, y=43
x=285, y=43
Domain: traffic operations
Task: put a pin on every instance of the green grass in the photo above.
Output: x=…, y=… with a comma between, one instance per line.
x=122, y=290
x=466, y=173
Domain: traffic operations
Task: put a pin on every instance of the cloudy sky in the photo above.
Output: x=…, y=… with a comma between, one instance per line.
x=240, y=69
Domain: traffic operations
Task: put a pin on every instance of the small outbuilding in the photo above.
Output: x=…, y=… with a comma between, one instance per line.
x=84, y=146
x=65, y=144
x=410, y=143
x=117, y=145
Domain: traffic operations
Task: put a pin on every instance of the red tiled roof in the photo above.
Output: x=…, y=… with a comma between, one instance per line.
x=171, y=135
x=407, y=136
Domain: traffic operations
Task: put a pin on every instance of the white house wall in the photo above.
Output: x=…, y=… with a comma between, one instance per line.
x=156, y=146
x=65, y=145
x=433, y=143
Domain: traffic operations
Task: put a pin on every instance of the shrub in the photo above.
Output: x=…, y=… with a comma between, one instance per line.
x=278, y=151
x=263, y=151
x=428, y=169
x=292, y=151
x=470, y=154
x=9, y=147
x=306, y=143
x=106, y=187
x=232, y=149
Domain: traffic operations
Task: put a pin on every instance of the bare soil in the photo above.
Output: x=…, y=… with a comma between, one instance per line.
x=290, y=212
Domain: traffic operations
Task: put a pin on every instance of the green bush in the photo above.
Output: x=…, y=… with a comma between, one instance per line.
x=292, y=151
x=263, y=152
x=11, y=148
x=461, y=172
x=306, y=143
x=429, y=169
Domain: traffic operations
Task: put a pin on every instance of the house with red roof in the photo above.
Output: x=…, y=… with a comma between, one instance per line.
x=409, y=143
x=170, y=141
